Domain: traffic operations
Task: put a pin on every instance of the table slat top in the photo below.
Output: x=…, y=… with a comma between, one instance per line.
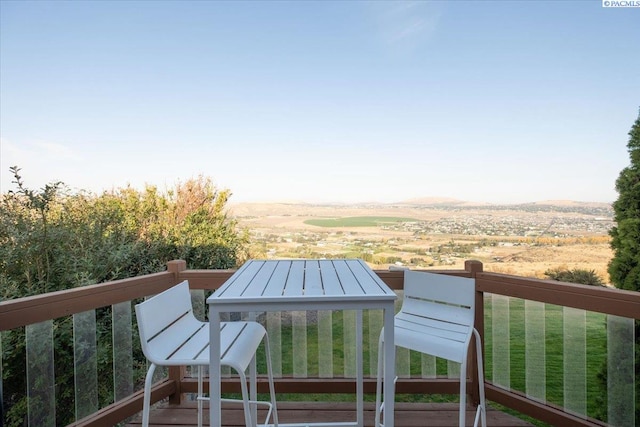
x=291, y=280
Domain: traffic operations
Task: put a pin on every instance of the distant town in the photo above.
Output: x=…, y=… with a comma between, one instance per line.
x=423, y=236
x=550, y=221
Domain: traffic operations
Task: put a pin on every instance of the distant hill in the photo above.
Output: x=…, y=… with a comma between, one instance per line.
x=432, y=201
x=438, y=203
x=451, y=202
x=570, y=203
x=445, y=201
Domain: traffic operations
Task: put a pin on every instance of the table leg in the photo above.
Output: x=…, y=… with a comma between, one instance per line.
x=215, y=392
x=359, y=371
x=389, y=366
x=253, y=383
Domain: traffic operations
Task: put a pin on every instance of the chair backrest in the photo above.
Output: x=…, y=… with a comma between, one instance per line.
x=440, y=297
x=166, y=322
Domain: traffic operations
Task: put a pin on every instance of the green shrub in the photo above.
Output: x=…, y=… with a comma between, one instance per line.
x=52, y=240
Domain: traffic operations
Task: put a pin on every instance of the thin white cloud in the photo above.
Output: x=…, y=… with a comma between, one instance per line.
x=38, y=150
x=406, y=25
x=12, y=154
x=40, y=162
x=57, y=151
x=413, y=29
x=7, y=147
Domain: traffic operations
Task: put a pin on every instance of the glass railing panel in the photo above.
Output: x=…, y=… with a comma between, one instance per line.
x=621, y=398
x=40, y=374
x=375, y=326
x=453, y=369
x=349, y=331
x=274, y=330
x=198, y=303
x=85, y=363
x=325, y=343
x=403, y=362
x=535, y=350
x=555, y=354
x=501, y=369
x=398, y=302
x=299, y=338
x=428, y=366
x=575, y=355
x=574, y=361
x=122, y=350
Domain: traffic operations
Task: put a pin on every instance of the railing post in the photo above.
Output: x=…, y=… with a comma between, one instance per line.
x=474, y=267
x=177, y=373
x=176, y=266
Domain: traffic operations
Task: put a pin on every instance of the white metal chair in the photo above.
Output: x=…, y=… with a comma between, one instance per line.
x=172, y=336
x=437, y=318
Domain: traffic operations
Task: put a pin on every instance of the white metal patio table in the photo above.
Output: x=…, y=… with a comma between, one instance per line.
x=299, y=285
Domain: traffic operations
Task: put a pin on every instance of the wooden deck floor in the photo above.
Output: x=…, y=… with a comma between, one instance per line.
x=407, y=415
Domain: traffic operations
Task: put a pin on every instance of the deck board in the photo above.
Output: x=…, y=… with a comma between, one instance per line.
x=407, y=415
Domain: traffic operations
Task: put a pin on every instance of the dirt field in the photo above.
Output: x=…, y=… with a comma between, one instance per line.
x=522, y=240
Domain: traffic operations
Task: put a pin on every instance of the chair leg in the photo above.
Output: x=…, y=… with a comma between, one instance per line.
x=248, y=419
x=379, y=382
x=200, y=393
x=463, y=393
x=147, y=395
x=253, y=393
x=250, y=403
x=482, y=408
x=272, y=389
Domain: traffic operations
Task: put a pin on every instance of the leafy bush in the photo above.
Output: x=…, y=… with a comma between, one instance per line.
x=581, y=276
x=53, y=240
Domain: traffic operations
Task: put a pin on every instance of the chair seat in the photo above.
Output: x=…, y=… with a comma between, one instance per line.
x=239, y=342
x=239, y=353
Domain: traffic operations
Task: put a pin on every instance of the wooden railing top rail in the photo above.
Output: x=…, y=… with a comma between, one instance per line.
x=591, y=298
x=37, y=308
x=213, y=279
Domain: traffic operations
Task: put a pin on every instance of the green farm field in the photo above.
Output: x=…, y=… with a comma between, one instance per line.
x=358, y=221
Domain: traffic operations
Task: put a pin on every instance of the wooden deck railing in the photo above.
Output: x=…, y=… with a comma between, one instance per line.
x=26, y=312
x=567, y=296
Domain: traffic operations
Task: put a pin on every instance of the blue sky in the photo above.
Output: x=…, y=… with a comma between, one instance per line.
x=493, y=101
